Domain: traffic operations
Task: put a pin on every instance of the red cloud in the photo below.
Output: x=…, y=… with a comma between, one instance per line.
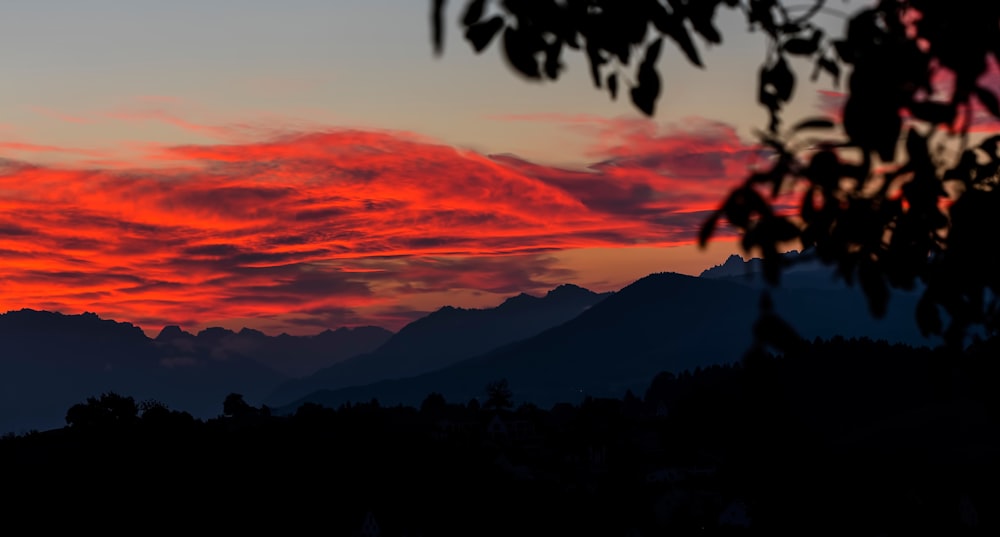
x=304, y=228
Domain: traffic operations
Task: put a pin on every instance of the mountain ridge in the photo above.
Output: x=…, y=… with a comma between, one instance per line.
x=446, y=336
x=662, y=322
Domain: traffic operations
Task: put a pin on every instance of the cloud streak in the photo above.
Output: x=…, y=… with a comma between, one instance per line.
x=310, y=227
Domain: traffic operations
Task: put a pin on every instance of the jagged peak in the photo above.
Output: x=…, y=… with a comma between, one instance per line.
x=568, y=290
x=520, y=299
x=172, y=331
x=215, y=332
x=251, y=332
x=732, y=264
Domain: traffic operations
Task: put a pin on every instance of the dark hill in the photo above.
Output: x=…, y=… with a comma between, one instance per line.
x=662, y=322
x=447, y=336
x=50, y=361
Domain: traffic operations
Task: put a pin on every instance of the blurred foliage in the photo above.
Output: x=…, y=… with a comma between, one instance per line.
x=897, y=192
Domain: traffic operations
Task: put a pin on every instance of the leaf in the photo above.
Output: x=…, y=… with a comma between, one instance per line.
x=708, y=228
x=814, y=123
x=520, y=53
x=701, y=20
x=771, y=262
x=776, y=332
x=709, y=32
x=928, y=317
x=872, y=124
x=767, y=98
x=874, y=287
x=474, y=12
x=552, y=63
x=933, y=112
x=596, y=61
x=777, y=83
x=808, y=210
x=791, y=27
x=741, y=203
x=830, y=66
x=673, y=26
x=824, y=170
x=781, y=77
x=760, y=12
x=845, y=50
x=613, y=85
x=989, y=100
x=481, y=33
x=963, y=169
x=784, y=230
x=990, y=145
x=437, y=25
x=800, y=46
x=652, y=53
x=766, y=303
x=645, y=94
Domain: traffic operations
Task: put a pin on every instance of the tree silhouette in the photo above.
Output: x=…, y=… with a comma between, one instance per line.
x=109, y=410
x=499, y=395
x=235, y=406
x=902, y=191
x=433, y=404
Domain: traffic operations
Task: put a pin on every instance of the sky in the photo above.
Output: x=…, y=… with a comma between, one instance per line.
x=308, y=164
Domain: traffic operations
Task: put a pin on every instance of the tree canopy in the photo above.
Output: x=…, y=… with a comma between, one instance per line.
x=900, y=191
x=499, y=395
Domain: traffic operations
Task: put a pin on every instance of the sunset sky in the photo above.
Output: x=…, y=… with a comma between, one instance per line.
x=308, y=164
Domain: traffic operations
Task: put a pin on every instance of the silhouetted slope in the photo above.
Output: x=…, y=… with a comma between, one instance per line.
x=662, y=322
x=293, y=356
x=831, y=437
x=51, y=360
x=445, y=337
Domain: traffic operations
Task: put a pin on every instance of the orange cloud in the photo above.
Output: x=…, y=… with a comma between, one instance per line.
x=300, y=231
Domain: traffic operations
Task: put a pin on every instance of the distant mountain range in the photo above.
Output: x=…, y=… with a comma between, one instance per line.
x=663, y=322
x=51, y=361
x=800, y=270
x=558, y=347
x=292, y=356
x=445, y=337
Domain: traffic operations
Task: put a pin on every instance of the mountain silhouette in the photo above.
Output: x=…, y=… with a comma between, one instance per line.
x=445, y=337
x=292, y=356
x=801, y=270
x=663, y=322
x=51, y=361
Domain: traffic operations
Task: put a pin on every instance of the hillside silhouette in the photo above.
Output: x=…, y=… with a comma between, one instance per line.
x=661, y=322
x=559, y=347
x=445, y=337
x=50, y=360
x=839, y=435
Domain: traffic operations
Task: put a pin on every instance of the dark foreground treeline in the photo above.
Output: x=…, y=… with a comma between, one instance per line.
x=840, y=437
